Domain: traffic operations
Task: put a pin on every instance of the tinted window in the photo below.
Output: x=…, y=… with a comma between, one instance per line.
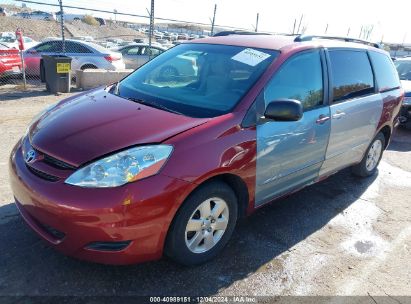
x=72, y=47
x=387, y=76
x=351, y=74
x=49, y=47
x=154, y=52
x=299, y=78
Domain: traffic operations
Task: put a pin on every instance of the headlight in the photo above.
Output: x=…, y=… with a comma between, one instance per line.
x=121, y=168
x=407, y=101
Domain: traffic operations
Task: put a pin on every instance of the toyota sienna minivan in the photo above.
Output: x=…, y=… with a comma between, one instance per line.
x=167, y=160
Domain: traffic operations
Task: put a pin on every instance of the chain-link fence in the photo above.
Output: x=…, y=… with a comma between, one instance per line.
x=92, y=42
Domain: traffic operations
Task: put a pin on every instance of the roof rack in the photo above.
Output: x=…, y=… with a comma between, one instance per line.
x=238, y=32
x=301, y=38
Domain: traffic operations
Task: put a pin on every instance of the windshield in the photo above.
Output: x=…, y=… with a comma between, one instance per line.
x=404, y=69
x=197, y=80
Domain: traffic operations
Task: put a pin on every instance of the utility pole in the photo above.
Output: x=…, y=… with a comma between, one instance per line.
x=115, y=15
x=299, y=24
x=295, y=23
x=326, y=29
x=151, y=30
x=213, y=20
x=62, y=26
x=256, y=22
x=348, y=32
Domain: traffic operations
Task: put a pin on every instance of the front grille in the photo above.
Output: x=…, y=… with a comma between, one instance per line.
x=42, y=174
x=57, y=163
x=54, y=162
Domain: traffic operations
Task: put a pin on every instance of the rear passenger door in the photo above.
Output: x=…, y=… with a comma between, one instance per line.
x=290, y=154
x=355, y=108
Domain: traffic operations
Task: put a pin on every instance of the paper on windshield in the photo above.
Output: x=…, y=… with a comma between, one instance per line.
x=250, y=56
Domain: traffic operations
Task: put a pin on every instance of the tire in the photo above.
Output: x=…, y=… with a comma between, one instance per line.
x=88, y=66
x=178, y=238
x=369, y=163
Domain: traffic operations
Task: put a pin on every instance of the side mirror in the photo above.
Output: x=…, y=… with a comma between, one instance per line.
x=284, y=110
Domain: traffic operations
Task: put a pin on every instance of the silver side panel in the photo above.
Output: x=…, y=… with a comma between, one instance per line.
x=353, y=125
x=289, y=154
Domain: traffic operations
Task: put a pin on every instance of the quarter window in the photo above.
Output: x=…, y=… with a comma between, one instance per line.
x=299, y=78
x=387, y=76
x=351, y=74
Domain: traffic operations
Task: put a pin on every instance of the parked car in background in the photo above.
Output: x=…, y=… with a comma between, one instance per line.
x=403, y=66
x=101, y=21
x=23, y=15
x=11, y=41
x=182, y=36
x=85, y=55
x=69, y=17
x=4, y=12
x=10, y=61
x=159, y=164
x=40, y=15
x=135, y=55
x=83, y=38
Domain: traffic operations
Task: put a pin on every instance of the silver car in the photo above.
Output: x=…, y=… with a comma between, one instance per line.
x=135, y=55
x=85, y=55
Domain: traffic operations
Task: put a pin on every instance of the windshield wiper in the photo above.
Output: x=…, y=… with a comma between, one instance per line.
x=153, y=104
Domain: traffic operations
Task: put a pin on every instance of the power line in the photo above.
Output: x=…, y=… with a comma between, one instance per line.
x=127, y=14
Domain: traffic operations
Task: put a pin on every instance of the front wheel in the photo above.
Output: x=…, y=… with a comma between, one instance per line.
x=369, y=163
x=203, y=225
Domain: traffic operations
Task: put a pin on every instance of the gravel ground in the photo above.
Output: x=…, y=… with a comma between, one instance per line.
x=343, y=236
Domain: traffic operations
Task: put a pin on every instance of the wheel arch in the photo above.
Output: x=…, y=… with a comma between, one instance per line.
x=386, y=130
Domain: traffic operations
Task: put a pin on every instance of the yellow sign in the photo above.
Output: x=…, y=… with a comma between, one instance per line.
x=63, y=68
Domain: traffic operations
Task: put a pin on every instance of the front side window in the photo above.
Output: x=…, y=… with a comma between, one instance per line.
x=49, y=47
x=351, y=74
x=133, y=51
x=300, y=78
x=198, y=80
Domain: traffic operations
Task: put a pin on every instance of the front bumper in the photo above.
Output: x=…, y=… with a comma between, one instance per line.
x=71, y=218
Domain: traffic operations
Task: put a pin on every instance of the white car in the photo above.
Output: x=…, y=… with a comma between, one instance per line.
x=137, y=54
x=85, y=55
x=69, y=17
x=10, y=40
x=38, y=15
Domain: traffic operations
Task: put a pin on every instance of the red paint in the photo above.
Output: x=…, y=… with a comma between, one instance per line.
x=93, y=124
x=9, y=60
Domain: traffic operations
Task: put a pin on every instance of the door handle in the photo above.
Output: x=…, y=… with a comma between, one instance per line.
x=322, y=119
x=338, y=114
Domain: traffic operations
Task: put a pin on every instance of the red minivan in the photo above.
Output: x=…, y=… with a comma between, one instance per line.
x=165, y=161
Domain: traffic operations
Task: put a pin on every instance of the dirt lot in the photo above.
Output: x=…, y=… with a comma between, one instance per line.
x=344, y=236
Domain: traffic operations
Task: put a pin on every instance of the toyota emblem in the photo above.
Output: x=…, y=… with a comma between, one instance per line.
x=30, y=156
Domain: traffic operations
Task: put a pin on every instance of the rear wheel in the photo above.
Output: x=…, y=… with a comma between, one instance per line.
x=203, y=225
x=88, y=66
x=369, y=163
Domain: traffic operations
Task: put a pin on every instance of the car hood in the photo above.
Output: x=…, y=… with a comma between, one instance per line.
x=406, y=85
x=94, y=124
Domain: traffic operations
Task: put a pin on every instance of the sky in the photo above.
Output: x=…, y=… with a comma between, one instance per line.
x=390, y=19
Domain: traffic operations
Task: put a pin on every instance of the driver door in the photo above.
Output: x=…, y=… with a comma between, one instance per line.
x=290, y=154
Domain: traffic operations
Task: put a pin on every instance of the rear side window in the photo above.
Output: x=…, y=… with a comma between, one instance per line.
x=351, y=74
x=299, y=78
x=385, y=72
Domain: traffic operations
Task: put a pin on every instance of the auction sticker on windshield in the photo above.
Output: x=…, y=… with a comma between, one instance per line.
x=250, y=56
